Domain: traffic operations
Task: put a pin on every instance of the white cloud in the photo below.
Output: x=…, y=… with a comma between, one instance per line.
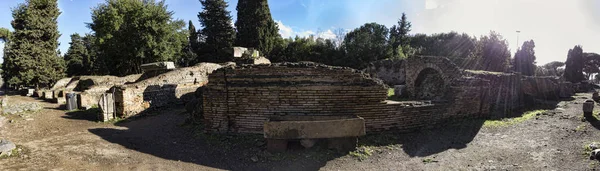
x=284, y=30
x=287, y=31
x=327, y=34
x=431, y=4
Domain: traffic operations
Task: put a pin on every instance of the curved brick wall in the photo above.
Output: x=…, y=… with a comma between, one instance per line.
x=241, y=99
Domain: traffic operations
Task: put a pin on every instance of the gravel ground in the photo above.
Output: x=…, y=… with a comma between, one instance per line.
x=53, y=139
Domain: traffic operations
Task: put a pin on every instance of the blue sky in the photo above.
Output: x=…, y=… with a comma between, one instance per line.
x=554, y=25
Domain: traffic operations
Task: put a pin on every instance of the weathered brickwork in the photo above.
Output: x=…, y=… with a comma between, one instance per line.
x=173, y=87
x=242, y=99
x=504, y=94
x=416, y=66
x=391, y=72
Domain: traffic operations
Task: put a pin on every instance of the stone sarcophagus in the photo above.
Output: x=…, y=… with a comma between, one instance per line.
x=341, y=132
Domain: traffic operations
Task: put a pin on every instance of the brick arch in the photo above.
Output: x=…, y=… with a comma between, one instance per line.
x=415, y=65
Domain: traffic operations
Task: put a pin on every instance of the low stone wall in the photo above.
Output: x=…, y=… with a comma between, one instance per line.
x=173, y=87
x=241, y=99
x=541, y=87
x=504, y=92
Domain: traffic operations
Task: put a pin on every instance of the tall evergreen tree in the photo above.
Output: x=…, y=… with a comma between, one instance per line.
x=255, y=27
x=32, y=58
x=75, y=56
x=574, y=65
x=133, y=32
x=524, y=61
x=189, y=56
x=399, y=38
x=90, y=61
x=217, y=30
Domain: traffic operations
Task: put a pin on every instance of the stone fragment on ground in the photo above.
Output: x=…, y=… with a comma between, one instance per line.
x=595, y=154
x=6, y=147
x=20, y=107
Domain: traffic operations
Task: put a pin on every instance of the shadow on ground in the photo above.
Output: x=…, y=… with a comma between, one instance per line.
x=164, y=136
x=89, y=115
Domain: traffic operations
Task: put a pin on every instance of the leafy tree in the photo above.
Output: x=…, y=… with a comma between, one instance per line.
x=399, y=38
x=255, y=27
x=366, y=44
x=574, y=65
x=217, y=31
x=553, y=68
x=31, y=57
x=591, y=65
x=491, y=53
x=455, y=46
x=92, y=65
x=75, y=56
x=5, y=34
x=524, y=60
x=133, y=32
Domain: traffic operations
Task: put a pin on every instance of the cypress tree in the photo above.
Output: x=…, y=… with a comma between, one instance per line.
x=217, y=31
x=255, y=26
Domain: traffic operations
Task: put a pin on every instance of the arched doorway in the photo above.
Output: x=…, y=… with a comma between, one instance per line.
x=429, y=85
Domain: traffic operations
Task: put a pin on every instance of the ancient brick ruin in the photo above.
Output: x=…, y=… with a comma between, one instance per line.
x=172, y=87
x=241, y=99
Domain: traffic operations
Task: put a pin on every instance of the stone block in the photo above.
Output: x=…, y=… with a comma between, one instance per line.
x=107, y=106
x=158, y=66
x=310, y=127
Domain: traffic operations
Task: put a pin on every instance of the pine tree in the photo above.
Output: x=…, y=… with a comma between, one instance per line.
x=75, y=56
x=217, y=31
x=256, y=28
x=399, y=39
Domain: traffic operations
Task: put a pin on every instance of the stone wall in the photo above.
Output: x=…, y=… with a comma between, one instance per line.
x=504, y=92
x=541, y=87
x=391, y=72
x=241, y=99
x=90, y=88
x=175, y=86
x=419, y=69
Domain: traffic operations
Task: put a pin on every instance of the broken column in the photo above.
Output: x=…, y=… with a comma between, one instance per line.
x=588, y=109
x=107, y=106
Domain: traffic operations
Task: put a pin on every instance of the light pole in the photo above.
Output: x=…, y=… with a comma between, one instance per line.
x=518, y=39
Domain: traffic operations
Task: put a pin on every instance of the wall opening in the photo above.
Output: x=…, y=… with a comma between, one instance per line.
x=429, y=85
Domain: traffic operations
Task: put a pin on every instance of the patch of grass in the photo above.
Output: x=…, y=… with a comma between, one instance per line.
x=511, y=121
x=484, y=72
x=15, y=152
x=429, y=160
x=587, y=150
x=581, y=127
x=391, y=95
x=362, y=153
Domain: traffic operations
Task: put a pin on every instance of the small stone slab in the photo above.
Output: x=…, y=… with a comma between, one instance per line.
x=6, y=147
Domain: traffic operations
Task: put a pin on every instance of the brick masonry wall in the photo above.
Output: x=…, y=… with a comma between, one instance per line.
x=504, y=93
x=242, y=99
x=391, y=72
x=173, y=87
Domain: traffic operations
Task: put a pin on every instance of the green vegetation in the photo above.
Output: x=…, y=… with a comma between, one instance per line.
x=123, y=47
x=217, y=32
x=362, y=152
x=574, y=65
x=255, y=27
x=512, y=121
x=524, y=60
x=30, y=55
x=429, y=160
x=581, y=127
x=391, y=95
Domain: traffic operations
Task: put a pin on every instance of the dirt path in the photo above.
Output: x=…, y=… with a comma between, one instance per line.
x=55, y=140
